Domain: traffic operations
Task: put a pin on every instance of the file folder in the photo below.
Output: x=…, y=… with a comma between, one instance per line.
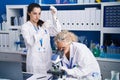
x=98, y=18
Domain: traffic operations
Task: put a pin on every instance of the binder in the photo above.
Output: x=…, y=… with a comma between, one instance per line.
x=0, y=41
x=92, y=18
x=68, y=19
x=98, y=18
x=92, y=1
x=77, y=20
x=3, y=41
x=86, y=1
x=12, y=40
x=62, y=18
x=79, y=1
x=7, y=41
x=87, y=18
x=82, y=23
x=72, y=19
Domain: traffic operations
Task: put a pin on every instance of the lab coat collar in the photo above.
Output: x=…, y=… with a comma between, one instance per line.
x=65, y=60
x=33, y=27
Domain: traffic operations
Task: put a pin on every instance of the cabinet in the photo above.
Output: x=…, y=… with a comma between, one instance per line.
x=110, y=21
x=107, y=65
x=10, y=65
x=16, y=16
x=95, y=21
x=15, y=12
x=10, y=38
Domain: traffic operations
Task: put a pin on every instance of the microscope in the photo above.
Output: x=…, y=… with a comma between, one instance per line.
x=56, y=72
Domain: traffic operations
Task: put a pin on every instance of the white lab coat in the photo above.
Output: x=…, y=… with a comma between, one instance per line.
x=83, y=63
x=39, y=53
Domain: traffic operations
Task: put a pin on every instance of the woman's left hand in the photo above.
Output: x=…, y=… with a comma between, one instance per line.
x=53, y=10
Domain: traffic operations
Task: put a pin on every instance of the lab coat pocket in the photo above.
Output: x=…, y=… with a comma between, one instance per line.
x=43, y=55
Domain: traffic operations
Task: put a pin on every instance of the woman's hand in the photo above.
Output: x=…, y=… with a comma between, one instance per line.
x=68, y=71
x=53, y=10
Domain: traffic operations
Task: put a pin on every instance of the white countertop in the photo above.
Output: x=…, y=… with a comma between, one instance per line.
x=107, y=59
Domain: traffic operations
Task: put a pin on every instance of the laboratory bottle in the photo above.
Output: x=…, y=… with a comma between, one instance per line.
x=86, y=42
x=102, y=49
x=4, y=26
x=20, y=20
x=111, y=48
x=92, y=45
x=114, y=75
x=96, y=50
x=0, y=26
x=16, y=21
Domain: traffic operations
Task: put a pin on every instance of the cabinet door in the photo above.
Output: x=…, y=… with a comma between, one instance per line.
x=107, y=66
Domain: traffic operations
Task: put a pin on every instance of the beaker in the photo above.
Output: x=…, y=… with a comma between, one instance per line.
x=114, y=75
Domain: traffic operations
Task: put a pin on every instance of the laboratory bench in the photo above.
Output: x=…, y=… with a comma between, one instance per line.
x=19, y=58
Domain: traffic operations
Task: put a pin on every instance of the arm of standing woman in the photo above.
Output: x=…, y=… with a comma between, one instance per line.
x=57, y=26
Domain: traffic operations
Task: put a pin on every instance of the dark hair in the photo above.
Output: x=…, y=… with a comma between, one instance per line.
x=30, y=8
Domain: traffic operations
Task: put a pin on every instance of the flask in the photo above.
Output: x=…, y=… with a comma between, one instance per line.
x=96, y=50
x=4, y=26
x=114, y=75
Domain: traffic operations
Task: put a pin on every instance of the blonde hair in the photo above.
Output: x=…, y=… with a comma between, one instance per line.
x=66, y=36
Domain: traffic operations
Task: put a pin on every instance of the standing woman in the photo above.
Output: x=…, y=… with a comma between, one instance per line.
x=78, y=61
x=36, y=34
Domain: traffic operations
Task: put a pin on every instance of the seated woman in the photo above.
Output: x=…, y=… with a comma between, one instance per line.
x=78, y=61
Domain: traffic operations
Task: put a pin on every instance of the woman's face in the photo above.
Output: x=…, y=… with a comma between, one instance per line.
x=35, y=15
x=63, y=46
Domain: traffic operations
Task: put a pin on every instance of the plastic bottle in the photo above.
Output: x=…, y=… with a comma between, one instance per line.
x=86, y=42
x=16, y=21
x=0, y=26
x=4, y=26
x=115, y=75
x=102, y=49
x=96, y=50
x=91, y=45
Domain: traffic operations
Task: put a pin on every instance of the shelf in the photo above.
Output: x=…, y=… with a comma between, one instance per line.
x=82, y=29
x=4, y=32
x=107, y=59
x=16, y=6
x=111, y=30
x=15, y=28
x=79, y=4
x=71, y=6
